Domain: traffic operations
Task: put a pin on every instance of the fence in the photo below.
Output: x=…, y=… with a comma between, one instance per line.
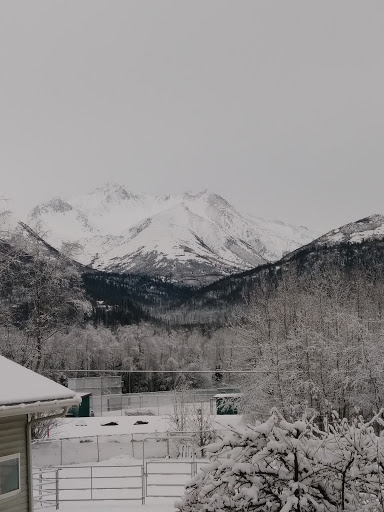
x=153, y=403
x=81, y=450
x=46, y=487
x=135, y=482
x=107, y=396
x=103, y=385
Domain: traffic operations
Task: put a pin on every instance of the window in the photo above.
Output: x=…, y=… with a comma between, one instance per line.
x=9, y=475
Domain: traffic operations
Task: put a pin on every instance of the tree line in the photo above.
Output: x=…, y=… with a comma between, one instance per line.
x=315, y=339
x=311, y=330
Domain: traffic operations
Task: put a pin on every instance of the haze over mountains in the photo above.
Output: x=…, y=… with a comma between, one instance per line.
x=185, y=237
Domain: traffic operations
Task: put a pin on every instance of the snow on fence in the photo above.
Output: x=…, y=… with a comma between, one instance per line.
x=52, y=486
x=80, y=450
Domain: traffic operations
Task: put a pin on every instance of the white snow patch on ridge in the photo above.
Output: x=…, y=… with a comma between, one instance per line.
x=369, y=228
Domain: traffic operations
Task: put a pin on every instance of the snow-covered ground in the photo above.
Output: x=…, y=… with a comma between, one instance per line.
x=97, y=426
x=155, y=505
x=120, y=478
x=90, y=440
x=119, y=474
x=116, y=484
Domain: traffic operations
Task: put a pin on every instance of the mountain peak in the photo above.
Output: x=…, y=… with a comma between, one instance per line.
x=216, y=200
x=199, y=234
x=54, y=205
x=114, y=191
x=208, y=196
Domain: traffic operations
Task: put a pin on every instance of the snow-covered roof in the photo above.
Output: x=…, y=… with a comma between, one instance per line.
x=82, y=394
x=20, y=386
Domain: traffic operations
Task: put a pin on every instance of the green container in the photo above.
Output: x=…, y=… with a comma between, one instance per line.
x=84, y=409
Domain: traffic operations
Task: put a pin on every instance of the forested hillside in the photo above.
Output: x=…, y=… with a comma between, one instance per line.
x=129, y=298
x=216, y=302
x=315, y=337
x=56, y=315
x=311, y=324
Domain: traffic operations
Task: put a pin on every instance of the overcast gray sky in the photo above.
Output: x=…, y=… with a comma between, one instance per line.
x=278, y=106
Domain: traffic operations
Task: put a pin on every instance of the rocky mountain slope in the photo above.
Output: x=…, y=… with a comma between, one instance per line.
x=189, y=238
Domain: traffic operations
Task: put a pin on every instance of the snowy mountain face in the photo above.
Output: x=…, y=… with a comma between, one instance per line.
x=185, y=237
x=367, y=229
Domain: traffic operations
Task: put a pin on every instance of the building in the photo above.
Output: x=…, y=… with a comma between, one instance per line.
x=104, y=385
x=106, y=392
x=23, y=393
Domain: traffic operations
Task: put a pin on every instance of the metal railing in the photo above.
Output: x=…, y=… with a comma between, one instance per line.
x=46, y=487
x=74, y=450
x=192, y=471
x=179, y=436
x=135, y=482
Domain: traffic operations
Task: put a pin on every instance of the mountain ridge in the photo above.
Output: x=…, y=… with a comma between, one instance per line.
x=362, y=245
x=365, y=229
x=187, y=236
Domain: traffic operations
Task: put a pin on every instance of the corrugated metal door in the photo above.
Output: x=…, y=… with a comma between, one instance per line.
x=12, y=441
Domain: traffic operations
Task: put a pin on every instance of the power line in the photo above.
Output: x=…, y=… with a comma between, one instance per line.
x=97, y=370
x=249, y=372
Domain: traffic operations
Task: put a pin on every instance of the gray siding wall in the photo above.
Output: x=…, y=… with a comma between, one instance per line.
x=13, y=440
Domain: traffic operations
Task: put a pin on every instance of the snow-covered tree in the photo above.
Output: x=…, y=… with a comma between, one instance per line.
x=42, y=293
x=279, y=466
x=313, y=342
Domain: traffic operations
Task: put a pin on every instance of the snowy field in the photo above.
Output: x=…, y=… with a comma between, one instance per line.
x=111, y=506
x=156, y=506
x=106, y=461
x=96, y=426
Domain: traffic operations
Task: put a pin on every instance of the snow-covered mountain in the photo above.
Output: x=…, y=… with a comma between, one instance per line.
x=369, y=228
x=185, y=237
